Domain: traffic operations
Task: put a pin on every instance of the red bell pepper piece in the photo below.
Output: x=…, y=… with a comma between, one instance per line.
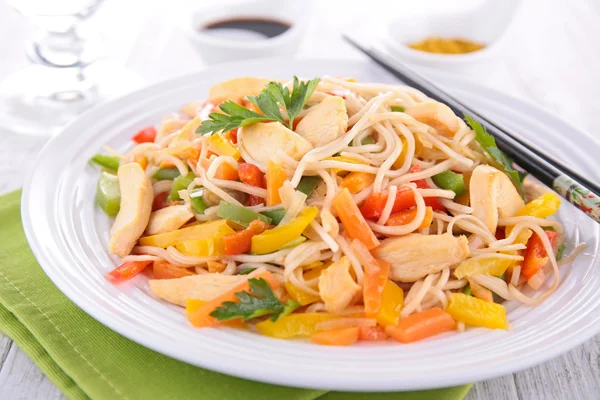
x=160, y=201
x=241, y=242
x=146, y=135
x=535, y=255
x=128, y=270
x=250, y=174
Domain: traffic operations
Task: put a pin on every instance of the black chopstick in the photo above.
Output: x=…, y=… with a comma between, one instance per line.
x=578, y=190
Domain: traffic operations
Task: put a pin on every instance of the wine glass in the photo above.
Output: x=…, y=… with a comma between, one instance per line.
x=64, y=79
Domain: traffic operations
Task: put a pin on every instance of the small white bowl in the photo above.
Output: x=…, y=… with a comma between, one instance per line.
x=485, y=24
x=218, y=49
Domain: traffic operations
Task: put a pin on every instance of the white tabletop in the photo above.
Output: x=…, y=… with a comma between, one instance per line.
x=553, y=60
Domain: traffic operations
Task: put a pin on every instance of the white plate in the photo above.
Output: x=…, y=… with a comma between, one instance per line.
x=69, y=235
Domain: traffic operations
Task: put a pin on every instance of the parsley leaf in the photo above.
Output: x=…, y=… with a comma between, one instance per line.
x=273, y=98
x=260, y=301
x=488, y=143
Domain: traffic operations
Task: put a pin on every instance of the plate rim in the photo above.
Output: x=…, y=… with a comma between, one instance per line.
x=541, y=114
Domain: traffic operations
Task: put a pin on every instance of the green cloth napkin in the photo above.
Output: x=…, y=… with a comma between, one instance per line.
x=85, y=359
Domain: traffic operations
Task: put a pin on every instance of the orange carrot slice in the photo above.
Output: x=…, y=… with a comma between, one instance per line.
x=336, y=337
x=422, y=325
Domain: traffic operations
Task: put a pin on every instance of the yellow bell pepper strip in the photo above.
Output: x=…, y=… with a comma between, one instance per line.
x=357, y=181
x=293, y=325
x=275, y=215
x=207, y=230
x=336, y=337
x=536, y=256
x=275, y=177
x=476, y=312
x=302, y=297
x=421, y=325
x=166, y=174
x=491, y=266
x=274, y=239
x=542, y=207
x=201, y=317
x=108, y=194
x=223, y=147
x=180, y=183
x=240, y=215
x=308, y=184
x=294, y=243
x=450, y=181
x=355, y=224
x=202, y=247
x=111, y=163
x=392, y=301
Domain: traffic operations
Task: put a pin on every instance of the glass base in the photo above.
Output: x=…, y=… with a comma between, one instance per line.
x=40, y=100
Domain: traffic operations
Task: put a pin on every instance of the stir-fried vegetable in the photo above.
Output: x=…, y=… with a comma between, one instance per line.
x=336, y=337
x=536, y=256
x=293, y=325
x=274, y=239
x=352, y=219
x=491, y=266
x=165, y=270
x=421, y=325
x=476, y=312
x=207, y=230
x=275, y=215
x=222, y=146
x=542, y=207
x=240, y=215
x=166, y=174
x=241, y=242
x=275, y=177
x=301, y=296
x=308, y=184
x=356, y=182
x=180, y=183
x=397, y=108
x=128, y=270
x=407, y=216
x=146, y=135
x=198, y=204
x=252, y=175
x=450, y=181
x=111, y=163
x=392, y=301
x=108, y=194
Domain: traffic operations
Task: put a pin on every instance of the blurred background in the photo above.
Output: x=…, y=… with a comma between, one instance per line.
x=545, y=51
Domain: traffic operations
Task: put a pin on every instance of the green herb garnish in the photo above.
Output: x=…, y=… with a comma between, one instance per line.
x=269, y=101
x=246, y=271
x=397, y=108
x=488, y=143
x=260, y=301
x=560, y=252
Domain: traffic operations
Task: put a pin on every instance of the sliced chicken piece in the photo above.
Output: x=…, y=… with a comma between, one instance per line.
x=325, y=122
x=236, y=89
x=415, y=256
x=336, y=286
x=168, y=219
x=492, y=196
x=436, y=115
x=262, y=142
x=199, y=287
x=136, y=205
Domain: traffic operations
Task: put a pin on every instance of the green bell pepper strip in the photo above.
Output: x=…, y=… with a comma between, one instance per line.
x=308, y=184
x=166, y=174
x=368, y=140
x=180, y=183
x=247, y=271
x=450, y=181
x=108, y=194
x=275, y=215
x=467, y=290
x=109, y=162
x=397, y=108
x=239, y=214
x=198, y=204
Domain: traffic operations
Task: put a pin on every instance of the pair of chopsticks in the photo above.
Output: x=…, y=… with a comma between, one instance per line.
x=576, y=189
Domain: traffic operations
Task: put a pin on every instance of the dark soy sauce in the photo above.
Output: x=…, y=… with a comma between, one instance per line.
x=246, y=28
